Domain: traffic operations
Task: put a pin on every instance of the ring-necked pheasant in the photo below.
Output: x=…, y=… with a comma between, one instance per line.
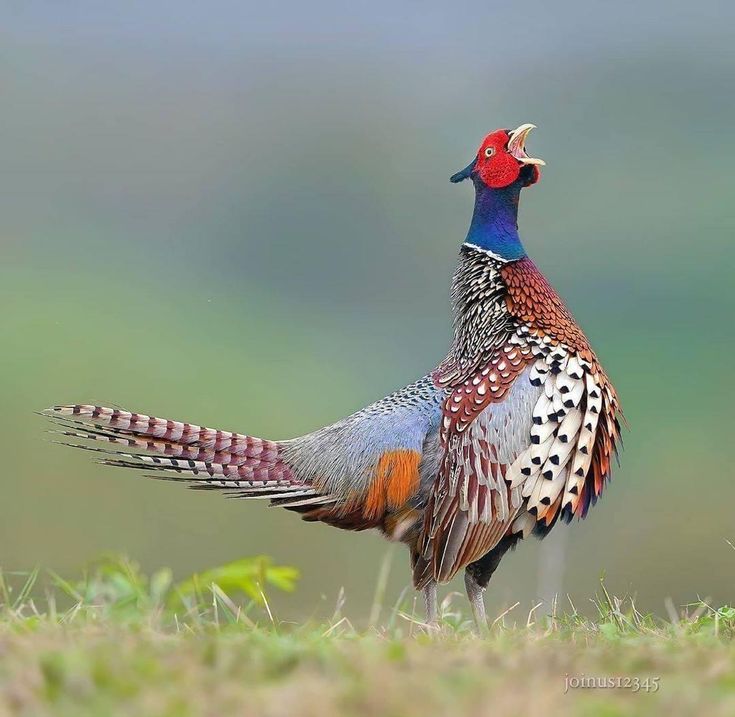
x=514, y=429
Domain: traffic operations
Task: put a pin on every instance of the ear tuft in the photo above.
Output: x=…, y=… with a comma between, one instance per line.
x=463, y=174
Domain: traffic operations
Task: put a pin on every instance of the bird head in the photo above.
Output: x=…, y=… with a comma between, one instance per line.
x=502, y=160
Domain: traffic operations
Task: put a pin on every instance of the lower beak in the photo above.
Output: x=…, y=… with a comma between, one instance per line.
x=517, y=145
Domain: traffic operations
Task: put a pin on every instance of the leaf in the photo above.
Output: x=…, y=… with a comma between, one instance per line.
x=284, y=577
x=610, y=630
x=247, y=575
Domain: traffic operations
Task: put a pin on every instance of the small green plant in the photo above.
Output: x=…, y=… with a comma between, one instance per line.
x=249, y=576
x=116, y=588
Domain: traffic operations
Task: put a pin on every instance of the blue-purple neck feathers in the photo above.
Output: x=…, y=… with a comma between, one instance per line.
x=494, y=225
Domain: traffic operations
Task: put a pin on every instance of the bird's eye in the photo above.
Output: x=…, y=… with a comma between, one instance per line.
x=490, y=151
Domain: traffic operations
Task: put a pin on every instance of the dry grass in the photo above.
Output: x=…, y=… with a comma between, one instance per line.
x=125, y=644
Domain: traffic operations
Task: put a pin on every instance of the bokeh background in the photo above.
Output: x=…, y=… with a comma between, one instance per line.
x=239, y=214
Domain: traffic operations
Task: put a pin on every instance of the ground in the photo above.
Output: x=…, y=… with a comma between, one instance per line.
x=131, y=645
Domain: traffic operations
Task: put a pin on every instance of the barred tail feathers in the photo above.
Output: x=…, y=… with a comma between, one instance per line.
x=202, y=458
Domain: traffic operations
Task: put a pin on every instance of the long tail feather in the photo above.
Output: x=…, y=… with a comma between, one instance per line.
x=202, y=458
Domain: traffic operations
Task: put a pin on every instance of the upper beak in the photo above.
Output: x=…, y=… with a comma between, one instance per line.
x=517, y=142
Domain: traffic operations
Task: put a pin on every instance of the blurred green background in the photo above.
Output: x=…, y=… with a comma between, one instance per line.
x=241, y=216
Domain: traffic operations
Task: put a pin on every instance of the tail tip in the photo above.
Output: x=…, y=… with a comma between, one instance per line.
x=60, y=410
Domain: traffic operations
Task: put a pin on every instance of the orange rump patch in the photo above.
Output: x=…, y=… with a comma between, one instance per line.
x=396, y=480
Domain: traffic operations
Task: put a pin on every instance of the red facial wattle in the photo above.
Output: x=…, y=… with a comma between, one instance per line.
x=502, y=158
x=500, y=168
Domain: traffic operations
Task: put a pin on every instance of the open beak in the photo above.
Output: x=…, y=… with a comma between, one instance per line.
x=517, y=145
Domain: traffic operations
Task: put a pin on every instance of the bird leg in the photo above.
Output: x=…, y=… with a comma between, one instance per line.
x=430, y=601
x=475, y=594
x=477, y=575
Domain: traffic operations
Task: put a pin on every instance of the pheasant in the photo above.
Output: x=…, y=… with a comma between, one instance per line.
x=513, y=430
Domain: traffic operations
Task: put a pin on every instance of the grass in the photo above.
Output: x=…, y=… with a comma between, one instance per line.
x=117, y=642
